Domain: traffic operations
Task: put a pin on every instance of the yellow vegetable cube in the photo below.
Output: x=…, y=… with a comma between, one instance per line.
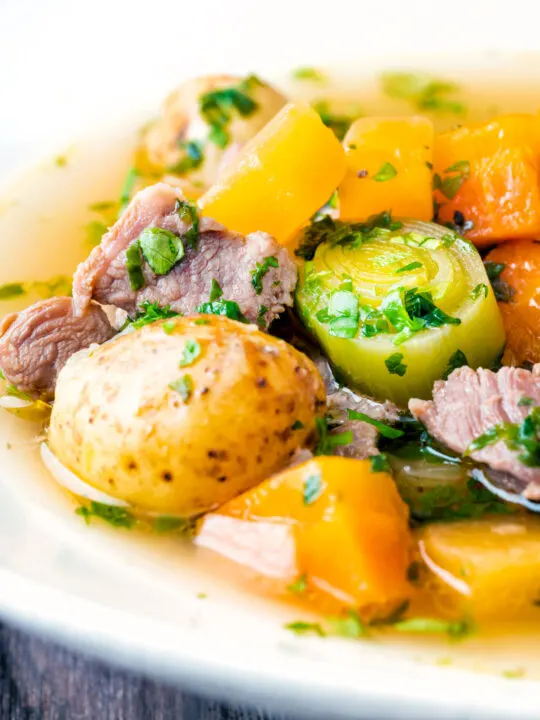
x=388, y=168
x=281, y=177
x=485, y=569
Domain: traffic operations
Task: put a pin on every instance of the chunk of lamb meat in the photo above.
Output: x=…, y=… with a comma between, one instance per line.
x=36, y=343
x=471, y=402
x=365, y=436
x=227, y=257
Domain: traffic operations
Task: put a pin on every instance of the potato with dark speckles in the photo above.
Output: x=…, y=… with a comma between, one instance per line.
x=182, y=415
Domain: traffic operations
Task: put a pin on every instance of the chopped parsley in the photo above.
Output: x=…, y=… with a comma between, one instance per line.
x=339, y=124
x=127, y=188
x=479, y=290
x=169, y=326
x=457, y=360
x=342, y=314
x=349, y=625
x=386, y=172
x=161, y=248
x=300, y=627
x=218, y=107
x=526, y=401
x=116, y=516
x=215, y=291
x=228, y=308
x=379, y=463
x=299, y=586
x=260, y=271
x=503, y=291
x=183, y=386
x=411, y=310
x=313, y=488
x=327, y=443
x=201, y=321
x=260, y=315
x=11, y=290
x=383, y=429
x=410, y=267
x=187, y=212
x=95, y=230
x=309, y=73
x=456, y=175
x=454, y=628
x=326, y=229
x=520, y=437
x=423, y=92
x=394, y=365
x=151, y=312
x=193, y=157
x=297, y=425
x=170, y=523
x=192, y=350
x=134, y=266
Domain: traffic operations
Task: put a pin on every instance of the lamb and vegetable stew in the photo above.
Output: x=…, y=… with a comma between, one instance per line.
x=309, y=342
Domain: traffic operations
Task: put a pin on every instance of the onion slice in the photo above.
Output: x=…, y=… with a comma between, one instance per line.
x=73, y=483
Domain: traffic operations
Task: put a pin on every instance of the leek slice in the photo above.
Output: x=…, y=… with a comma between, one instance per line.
x=394, y=306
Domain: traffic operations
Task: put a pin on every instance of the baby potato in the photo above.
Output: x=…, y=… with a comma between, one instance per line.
x=181, y=416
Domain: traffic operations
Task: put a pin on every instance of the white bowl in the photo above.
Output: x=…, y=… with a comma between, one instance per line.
x=82, y=78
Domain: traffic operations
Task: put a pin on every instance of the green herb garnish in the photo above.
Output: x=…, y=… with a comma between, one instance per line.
x=453, y=628
x=339, y=124
x=260, y=315
x=187, y=212
x=379, y=463
x=260, y=271
x=215, y=291
x=450, y=185
x=520, y=437
x=305, y=628
x=218, y=107
x=350, y=625
x=183, y=386
x=413, y=310
x=151, y=312
x=526, y=401
x=192, y=350
x=127, y=188
x=134, y=266
x=228, y=308
x=394, y=365
x=479, y=290
x=327, y=443
x=457, y=360
x=116, y=516
x=309, y=73
x=342, y=314
x=170, y=523
x=408, y=268
x=299, y=586
x=161, y=248
x=297, y=425
x=386, y=172
x=12, y=290
x=193, y=158
x=423, y=92
x=383, y=429
x=503, y=291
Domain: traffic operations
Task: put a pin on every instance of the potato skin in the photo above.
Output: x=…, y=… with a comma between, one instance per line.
x=118, y=425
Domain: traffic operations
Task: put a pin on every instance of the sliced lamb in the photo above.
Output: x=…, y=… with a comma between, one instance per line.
x=227, y=257
x=472, y=402
x=36, y=343
x=365, y=436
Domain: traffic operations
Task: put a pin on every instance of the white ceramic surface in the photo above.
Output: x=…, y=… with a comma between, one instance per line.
x=68, y=68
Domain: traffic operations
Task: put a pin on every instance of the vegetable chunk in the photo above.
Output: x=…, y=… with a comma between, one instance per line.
x=284, y=175
x=181, y=415
x=488, y=173
x=485, y=568
x=389, y=163
x=515, y=271
x=333, y=521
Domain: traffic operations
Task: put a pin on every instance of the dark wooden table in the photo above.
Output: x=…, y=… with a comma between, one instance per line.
x=42, y=681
